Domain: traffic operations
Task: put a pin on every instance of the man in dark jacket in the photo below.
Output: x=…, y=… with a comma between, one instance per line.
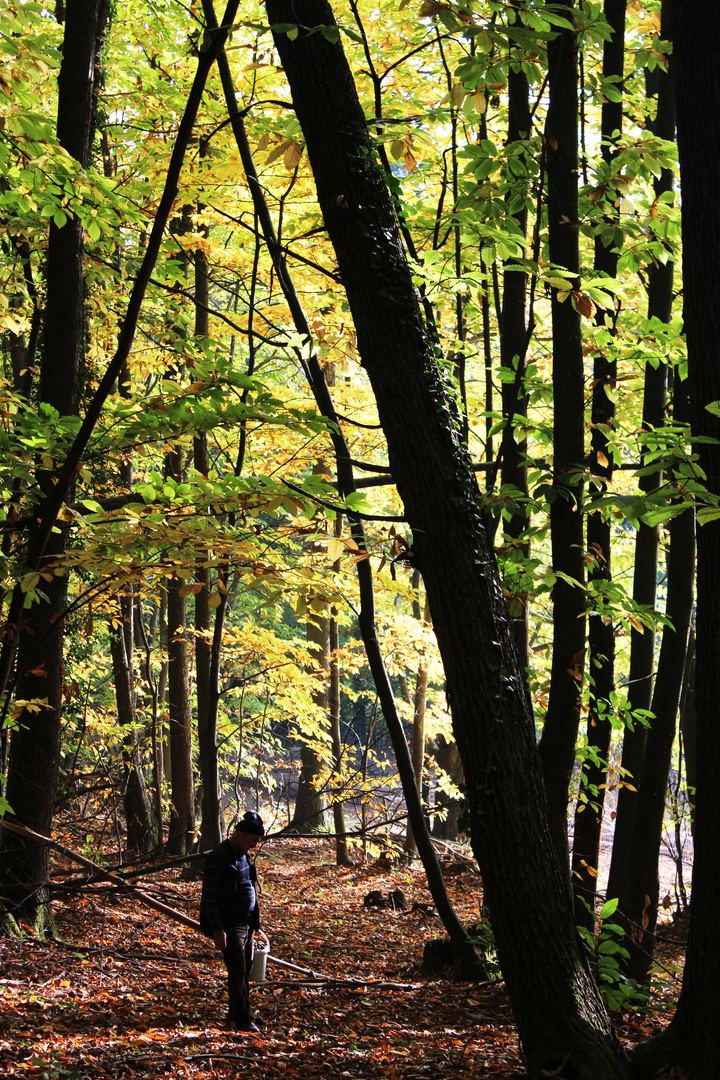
x=229, y=911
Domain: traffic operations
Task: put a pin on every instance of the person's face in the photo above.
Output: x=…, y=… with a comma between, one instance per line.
x=244, y=841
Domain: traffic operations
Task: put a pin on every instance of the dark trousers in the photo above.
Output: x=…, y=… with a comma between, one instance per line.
x=238, y=960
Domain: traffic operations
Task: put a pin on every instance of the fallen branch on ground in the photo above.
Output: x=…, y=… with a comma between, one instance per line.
x=131, y=890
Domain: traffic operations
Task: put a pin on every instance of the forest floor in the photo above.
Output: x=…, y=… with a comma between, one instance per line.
x=123, y=992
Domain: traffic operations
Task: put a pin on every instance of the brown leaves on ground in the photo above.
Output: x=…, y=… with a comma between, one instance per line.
x=126, y=994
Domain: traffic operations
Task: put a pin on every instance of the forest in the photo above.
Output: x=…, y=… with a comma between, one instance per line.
x=361, y=465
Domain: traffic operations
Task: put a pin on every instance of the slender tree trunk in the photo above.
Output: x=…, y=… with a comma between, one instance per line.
x=35, y=745
x=181, y=833
x=557, y=744
x=211, y=810
x=641, y=907
x=642, y=645
x=419, y=703
x=688, y=726
x=342, y=855
x=136, y=801
x=147, y=678
x=447, y=758
x=559, y=1012
x=513, y=353
x=601, y=632
x=311, y=804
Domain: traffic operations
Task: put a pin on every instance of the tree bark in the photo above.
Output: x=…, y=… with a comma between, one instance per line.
x=557, y=743
x=419, y=704
x=139, y=824
x=694, y=1031
x=447, y=758
x=513, y=358
x=181, y=832
x=641, y=907
x=311, y=805
x=35, y=746
x=601, y=632
x=205, y=689
x=342, y=854
x=642, y=645
x=556, y=1002
x=346, y=484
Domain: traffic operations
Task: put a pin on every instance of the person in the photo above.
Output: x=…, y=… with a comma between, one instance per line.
x=229, y=911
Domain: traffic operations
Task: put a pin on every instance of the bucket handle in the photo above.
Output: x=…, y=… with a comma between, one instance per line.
x=261, y=941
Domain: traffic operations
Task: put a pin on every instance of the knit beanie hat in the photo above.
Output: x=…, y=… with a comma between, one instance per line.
x=250, y=823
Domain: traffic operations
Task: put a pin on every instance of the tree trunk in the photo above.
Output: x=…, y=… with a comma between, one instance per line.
x=557, y=744
x=181, y=833
x=641, y=906
x=366, y=618
x=601, y=633
x=419, y=703
x=139, y=824
x=206, y=691
x=448, y=759
x=642, y=645
x=311, y=804
x=558, y=1009
x=342, y=855
x=688, y=726
x=694, y=1034
x=513, y=359
x=35, y=745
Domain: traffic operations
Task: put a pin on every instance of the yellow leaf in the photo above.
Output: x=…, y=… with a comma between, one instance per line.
x=292, y=156
x=397, y=148
x=214, y=600
x=335, y=548
x=29, y=582
x=278, y=151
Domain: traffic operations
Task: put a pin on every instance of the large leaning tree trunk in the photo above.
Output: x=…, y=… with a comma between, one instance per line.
x=35, y=745
x=557, y=1006
x=316, y=376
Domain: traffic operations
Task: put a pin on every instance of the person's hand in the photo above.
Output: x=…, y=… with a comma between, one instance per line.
x=220, y=939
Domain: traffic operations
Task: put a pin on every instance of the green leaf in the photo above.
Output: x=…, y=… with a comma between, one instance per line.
x=352, y=34
x=609, y=908
x=330, y=33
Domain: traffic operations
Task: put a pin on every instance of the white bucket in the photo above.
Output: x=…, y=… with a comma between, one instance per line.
x=260, y=957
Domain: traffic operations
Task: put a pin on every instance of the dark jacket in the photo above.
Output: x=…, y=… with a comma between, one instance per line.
x=228, y=891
